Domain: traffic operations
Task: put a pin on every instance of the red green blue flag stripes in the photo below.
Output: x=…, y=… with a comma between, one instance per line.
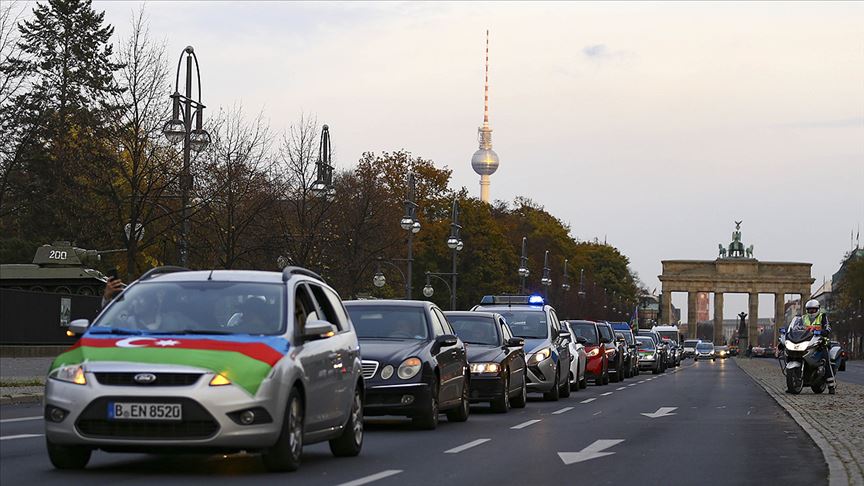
x=245, y=360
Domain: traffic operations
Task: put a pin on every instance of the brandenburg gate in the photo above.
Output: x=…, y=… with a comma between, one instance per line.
x=734, y=271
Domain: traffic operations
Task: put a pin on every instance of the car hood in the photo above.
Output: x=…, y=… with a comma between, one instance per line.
x=483, y=353
x=243, y=359
x=391, y=351
x=534, y=345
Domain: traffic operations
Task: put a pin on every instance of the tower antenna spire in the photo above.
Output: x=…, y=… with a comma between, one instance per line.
x=486, y=86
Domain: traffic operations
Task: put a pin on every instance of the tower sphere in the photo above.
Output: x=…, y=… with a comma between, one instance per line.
x=484, y=161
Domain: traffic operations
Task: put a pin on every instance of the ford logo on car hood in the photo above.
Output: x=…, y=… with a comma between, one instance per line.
x=145, y=378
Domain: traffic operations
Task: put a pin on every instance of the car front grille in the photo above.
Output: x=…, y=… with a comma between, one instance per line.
x=197, y=423
x=162, y=379
x=369, y=368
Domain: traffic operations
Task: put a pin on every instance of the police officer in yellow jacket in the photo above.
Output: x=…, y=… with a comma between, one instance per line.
x=815, y=319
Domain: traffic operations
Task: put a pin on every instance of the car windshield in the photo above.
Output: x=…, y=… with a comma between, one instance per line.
x=389, y=322
x=475, y=329
x=527, y=324
x=704, y=347
x=628, y=337
x=644, y=343
x=196, y=307
x=587, y=330
x=672, y=335
x=690, y=344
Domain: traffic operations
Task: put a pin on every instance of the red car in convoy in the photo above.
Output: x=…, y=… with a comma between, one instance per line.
x=597, y=364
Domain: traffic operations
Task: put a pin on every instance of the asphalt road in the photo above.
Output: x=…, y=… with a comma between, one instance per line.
x=711, y=425
x=854, y=373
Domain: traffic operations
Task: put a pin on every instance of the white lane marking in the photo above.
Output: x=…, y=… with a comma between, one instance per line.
x=525, y=424
x=621, y=388
x=463, y=447
x=643, y=381
x=593, y=451
x=649, y=379
x=632, y=384
x=21, y=436
x=373, y=477
x=588, y=400
x=22, y=419
x=661, y=412
x=559, y=412
x=598, y=413
x=607, y=393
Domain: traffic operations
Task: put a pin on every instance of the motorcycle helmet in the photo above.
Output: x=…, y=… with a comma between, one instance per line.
x=812, y=306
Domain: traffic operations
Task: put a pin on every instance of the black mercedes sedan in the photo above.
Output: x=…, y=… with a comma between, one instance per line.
x=413, y=363
x=495, y=357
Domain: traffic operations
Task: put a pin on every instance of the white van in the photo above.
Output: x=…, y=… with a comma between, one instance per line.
x=668, y=332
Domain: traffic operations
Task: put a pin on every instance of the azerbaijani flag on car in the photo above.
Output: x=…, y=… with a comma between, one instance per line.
x=245, y=360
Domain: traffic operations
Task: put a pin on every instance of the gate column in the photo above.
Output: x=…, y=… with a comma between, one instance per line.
x=691, y=314
x=779, y=315
x=753, y=322
x=718, y=318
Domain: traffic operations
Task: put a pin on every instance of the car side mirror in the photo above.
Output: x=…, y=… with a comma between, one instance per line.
x=581, y=340
x=515, y=342
x=316, y=329
x=447, y=340
x=78, y=326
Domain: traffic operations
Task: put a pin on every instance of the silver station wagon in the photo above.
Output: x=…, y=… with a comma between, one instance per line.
x=215, y=361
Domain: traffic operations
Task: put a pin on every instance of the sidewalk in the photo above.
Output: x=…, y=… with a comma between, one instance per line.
x=834, y=422
x=22, y=380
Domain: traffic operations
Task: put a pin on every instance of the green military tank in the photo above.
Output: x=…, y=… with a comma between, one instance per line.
x=56, y=268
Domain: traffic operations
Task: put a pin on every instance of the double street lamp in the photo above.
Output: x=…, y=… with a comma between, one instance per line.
x=179, y=129
x=454, y=242
x=410, y=224
x=546, y=279
x=523, y=266
x=323, y=185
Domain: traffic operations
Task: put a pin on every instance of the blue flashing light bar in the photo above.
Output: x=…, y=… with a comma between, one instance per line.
x=535, y=300
x=512, y=300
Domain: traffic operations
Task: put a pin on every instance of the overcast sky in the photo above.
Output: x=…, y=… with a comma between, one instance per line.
x=653, y=126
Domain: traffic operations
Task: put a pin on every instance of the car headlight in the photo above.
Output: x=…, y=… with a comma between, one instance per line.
x=593, y=352
x=485, y=367
x=219, y=380
x=610, y=350
x=70, y=374
x=409, y=368
x=540, y=356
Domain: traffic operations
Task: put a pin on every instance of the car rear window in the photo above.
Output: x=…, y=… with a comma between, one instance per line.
x=389, y=322
x=475, y=329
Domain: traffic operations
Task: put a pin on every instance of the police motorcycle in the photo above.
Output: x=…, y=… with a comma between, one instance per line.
x=807, y=358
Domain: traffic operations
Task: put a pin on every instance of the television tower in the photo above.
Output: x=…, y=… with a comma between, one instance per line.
x=485, y=160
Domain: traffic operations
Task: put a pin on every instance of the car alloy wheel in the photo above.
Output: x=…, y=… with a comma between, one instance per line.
x=285, y=454
x=460, y=413
x=501, y=405
x=522, y=399
x=351, y=441
x=428, y=419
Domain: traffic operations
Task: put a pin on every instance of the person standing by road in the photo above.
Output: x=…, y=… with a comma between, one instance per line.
x=112, y=288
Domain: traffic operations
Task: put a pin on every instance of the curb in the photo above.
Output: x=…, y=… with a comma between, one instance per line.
x=21, y=398
x=837, y=474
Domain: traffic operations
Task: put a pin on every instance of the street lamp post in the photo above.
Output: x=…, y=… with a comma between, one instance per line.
x=323, y=185
x=454, y=242
x=523, y=266
x=178, y=130
x=379, y=280
x=429, y=291
x=546, y=280
x=410, y=224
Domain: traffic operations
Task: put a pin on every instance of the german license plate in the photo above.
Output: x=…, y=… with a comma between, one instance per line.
x=144, y=411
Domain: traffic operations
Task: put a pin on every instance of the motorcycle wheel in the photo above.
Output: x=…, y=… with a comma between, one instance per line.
x=794, y=381
x=817, y=389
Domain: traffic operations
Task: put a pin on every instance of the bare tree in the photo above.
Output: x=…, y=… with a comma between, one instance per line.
x=305, y=230
x=136, y=182
x=234, y=183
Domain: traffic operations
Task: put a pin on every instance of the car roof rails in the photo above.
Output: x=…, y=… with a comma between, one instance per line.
x=287, y=272
x=162, y=270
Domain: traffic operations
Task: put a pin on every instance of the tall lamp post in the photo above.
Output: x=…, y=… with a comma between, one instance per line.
x=546, y=280
x=323, y=185
x=179, y=129
x=523, y=266
x=454, y=242
x=379, y=280
x=410, y=224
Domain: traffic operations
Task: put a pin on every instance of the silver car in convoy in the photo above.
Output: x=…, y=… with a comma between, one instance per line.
x=578, y=359
x=546, y=341
x=705, y=351
x=210, y=361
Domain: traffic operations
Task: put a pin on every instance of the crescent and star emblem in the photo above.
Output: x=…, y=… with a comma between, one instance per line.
x=143, y=342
